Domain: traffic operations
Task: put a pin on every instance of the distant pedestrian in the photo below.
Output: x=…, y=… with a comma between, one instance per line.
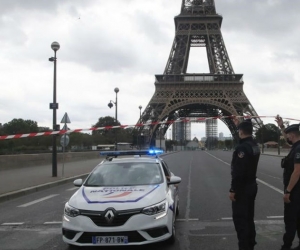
x=291, y=175
x=243, y=185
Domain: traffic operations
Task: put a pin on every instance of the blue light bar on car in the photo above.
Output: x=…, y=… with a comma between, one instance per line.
x=132, y=152
x=155, y=151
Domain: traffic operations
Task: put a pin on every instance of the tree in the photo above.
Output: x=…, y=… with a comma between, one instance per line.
x=211, y=142
x=221, y=144
x=104, y=122
x=108, y=136
x=20, y=126
x=228, y=144
x=268, y=132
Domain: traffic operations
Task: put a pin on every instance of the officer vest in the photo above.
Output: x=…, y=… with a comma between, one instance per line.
x=252, y=149
x=287, y=163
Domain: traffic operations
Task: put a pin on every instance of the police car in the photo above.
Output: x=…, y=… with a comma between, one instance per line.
x=130, y=198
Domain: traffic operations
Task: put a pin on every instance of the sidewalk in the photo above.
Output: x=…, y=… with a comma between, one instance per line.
x=17, y=182
x=274, y=152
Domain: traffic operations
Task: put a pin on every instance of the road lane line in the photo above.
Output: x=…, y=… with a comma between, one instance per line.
x=270, y=186
x=261, y=181
x=12, y=223
x=52, y=222
x=37, y=201
x=226, y=218
x=187, y=219
x=275, y=217
x=218, y=159
x=270, y=176
x=71, y=189
x=188, y=203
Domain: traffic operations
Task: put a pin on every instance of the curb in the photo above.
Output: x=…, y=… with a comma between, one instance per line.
x=273, y=155
x=30, y=190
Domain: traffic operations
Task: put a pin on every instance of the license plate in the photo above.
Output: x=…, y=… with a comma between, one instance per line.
x=109, y=240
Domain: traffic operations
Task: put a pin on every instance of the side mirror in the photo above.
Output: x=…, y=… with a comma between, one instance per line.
x=78, y=183
x=174, y=180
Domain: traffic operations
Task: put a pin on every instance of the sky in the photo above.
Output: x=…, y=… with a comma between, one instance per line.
x=124, y=43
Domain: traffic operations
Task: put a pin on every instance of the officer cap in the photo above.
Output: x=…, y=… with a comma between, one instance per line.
x=291, y=128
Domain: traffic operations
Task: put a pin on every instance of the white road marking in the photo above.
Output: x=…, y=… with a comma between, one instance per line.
x=187, y=219
x=52, y=222
x=188, y=196
x=261, y=181
x=270, y=176
x=275, y=217
x=270, y=186
x=71, y=189
x=226, y=218
x=37, y=201
x=12, y=224
x=218, y=159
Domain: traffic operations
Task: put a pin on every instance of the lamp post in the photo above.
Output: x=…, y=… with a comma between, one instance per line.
x=139, y=140
x=110, y=104
x=159, y=137
x=55, y=46
x=278, y=140
x=262, y=139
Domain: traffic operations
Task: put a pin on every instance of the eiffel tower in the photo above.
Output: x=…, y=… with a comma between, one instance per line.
x=179, y=95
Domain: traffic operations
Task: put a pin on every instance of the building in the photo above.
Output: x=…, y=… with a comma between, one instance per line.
x=181, y=131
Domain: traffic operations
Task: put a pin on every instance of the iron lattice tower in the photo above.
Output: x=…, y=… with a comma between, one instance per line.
x=178, y=94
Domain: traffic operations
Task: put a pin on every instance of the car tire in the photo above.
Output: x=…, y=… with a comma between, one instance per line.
x=177, y=209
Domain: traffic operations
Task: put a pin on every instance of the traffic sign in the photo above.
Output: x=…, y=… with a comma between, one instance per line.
x=64, y=140
x=65, y=119
x=53, y=105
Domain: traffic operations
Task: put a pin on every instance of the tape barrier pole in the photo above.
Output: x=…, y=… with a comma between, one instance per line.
x=62, y=132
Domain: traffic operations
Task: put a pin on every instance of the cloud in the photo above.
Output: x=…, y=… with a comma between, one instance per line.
x=124, y=43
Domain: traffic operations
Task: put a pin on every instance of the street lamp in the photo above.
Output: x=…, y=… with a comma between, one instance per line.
x=140, y=107
x=110, y=105
x=159, y=137
x=139, y=141
x=55, y=46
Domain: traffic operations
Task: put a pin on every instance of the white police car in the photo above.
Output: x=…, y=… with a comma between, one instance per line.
x=130, y=200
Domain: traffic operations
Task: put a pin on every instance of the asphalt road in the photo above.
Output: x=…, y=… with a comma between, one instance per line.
x=33, y=221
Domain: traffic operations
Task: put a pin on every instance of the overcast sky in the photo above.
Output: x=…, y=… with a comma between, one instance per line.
x=124, y=43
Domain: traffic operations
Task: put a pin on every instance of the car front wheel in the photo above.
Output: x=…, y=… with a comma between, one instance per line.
x=177, y=209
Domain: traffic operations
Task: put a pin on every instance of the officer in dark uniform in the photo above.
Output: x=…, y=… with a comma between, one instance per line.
x=243, y=186
x=291, y=175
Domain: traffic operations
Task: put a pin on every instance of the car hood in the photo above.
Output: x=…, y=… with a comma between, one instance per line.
x=120, y=198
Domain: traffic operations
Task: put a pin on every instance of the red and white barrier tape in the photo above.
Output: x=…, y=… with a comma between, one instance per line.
x=61, y=132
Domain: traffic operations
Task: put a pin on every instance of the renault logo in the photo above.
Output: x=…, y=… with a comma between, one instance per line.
x=109, y=216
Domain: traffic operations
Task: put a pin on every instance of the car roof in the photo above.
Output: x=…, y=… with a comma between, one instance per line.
x=133, y=159
x=132, y=156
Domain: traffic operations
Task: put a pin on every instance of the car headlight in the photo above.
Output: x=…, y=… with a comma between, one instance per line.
x=71, y=211
x=156, y=209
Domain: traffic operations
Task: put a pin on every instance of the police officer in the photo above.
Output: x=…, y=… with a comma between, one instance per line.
x=291, y=174
x=243, y=185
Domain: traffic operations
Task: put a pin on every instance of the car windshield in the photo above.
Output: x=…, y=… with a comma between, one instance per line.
x=125, y=174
